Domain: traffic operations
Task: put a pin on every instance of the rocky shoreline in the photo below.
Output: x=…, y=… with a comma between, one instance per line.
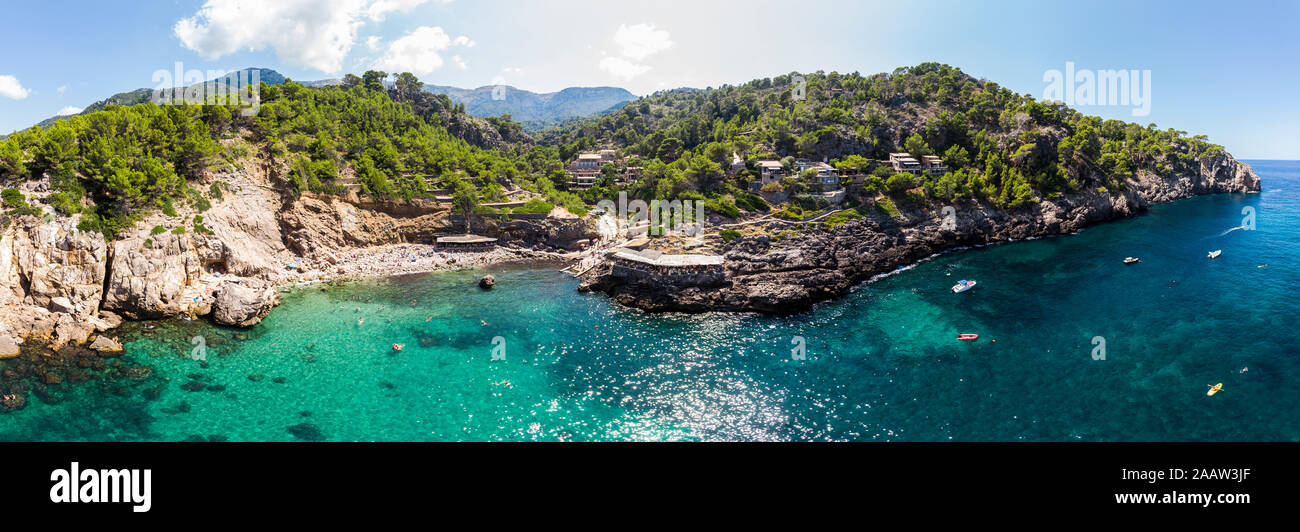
x=789, y=275
x=228, y=299
x=63, y=287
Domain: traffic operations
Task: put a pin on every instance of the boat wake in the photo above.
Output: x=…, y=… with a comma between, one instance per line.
x=907, y=267
x=1227, y=231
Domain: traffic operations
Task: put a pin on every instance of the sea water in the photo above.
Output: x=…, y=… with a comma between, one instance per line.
x=1074, y=345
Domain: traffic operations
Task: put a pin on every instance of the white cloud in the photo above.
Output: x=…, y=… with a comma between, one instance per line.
x=315, y=34
x=623, y=68
x=636, y=43
x=11, y=88
x=500, y=78
x=68, y=111
x=460, y=63
x=419, y=52
x=381, y=8
x=640, y=41
x=372, y=42
x=62, y=89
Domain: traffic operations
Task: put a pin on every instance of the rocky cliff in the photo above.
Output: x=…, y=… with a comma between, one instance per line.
x=51, y=282
x=790, y=275
x=61, y=286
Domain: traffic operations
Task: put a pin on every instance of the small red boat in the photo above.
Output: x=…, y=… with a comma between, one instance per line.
x=968, y=337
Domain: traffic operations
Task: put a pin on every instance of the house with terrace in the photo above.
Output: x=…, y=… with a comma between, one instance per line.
x=768, y=172
x=904, y=162
x=933, y=164
x=929, y=164
x=823, y=174
x=584, y=170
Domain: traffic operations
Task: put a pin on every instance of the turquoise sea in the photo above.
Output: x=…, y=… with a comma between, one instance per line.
x=880, y=364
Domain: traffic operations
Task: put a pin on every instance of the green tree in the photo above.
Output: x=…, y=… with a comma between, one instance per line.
x=852, y=164
x=956, y=157
x=465, y=200
x=916, y=146
x=13, y=198
x=900, y=182
x=669, y=150
x=608, y=175
x=408, y=87
x=12, y=162
x=374, y=80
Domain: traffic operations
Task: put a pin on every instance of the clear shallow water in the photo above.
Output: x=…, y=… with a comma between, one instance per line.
x=881, y=363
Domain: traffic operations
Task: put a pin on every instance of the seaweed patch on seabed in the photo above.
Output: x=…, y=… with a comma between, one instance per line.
x=177, y=337
x=43, y=386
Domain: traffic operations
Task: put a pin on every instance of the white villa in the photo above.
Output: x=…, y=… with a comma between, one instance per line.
x=904, y=162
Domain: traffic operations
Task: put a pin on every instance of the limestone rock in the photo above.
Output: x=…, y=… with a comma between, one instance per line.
x=106, y=320
x=62, y=304
x=487, y=282
x=51, y=265
x=8, y=347
x=243, y=306
x=70, y=330
x=149, y=280
x=105, y=344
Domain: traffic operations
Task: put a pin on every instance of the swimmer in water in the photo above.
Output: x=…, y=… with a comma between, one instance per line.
x=1243, y=370
x=360, y=321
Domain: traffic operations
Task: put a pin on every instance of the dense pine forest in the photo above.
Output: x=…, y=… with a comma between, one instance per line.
x=1001, y=146
x=115, y=165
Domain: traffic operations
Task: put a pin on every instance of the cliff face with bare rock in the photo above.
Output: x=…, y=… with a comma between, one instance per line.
x=61, y=286
x=791, y=275
x=51, y=282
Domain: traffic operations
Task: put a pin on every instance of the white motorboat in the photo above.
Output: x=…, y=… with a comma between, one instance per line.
x=1215, y=254
x=962, y=286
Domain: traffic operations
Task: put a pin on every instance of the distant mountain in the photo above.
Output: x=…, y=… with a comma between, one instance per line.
x=138, y=96
x=537, y=111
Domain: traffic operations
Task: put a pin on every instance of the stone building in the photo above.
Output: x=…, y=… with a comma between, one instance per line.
x=682, y=270
x=466, y=243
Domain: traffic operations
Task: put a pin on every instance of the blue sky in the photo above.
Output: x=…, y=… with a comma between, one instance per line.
x=1226, y=71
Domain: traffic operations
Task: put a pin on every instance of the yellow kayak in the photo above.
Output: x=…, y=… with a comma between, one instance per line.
x=1214, y=389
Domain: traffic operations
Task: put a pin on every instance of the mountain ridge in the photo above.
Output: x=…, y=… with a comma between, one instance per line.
x=535, y=111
